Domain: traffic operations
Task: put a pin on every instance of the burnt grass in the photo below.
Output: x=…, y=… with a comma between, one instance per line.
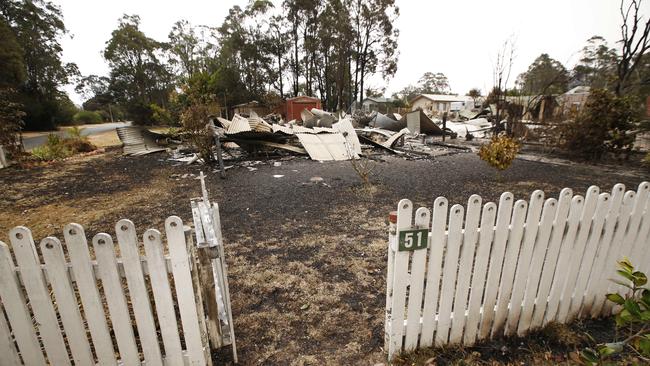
x=307, y=257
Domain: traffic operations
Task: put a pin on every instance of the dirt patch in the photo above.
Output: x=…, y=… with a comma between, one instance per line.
x=307, y=258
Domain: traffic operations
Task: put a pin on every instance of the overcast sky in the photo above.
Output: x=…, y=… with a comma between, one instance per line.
x=459, y=38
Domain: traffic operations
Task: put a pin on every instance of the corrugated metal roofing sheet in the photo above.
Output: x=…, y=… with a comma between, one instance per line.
x=137, y=141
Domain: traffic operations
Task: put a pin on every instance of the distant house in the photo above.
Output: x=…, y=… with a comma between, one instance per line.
x=252, y=106
x=573, y=100
x=379, y=104
x=440, y=103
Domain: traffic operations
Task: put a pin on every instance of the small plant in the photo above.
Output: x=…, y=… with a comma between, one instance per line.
x=54, y=149
x=633, y=321
x=195, y=119
x=500, y=152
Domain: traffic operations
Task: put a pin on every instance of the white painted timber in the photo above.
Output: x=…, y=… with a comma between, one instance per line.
x=509, y=277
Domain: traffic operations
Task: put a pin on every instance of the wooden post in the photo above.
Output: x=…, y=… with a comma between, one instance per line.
x=444, y=125
x=222, y=169
x=199, y=294
x=206, y=281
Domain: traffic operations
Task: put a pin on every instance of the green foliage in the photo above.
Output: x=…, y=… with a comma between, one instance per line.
x=54, y=149
x=500, y=152
x=597, y=66
x=11, y=121
x=37, y=26
x=12, y=72
x=545, y=76
x=138, y=77
x=602, y=125
x=87, y=117
x=161, y=116
x=632, y=321
x=57, y=148
x=195, y=119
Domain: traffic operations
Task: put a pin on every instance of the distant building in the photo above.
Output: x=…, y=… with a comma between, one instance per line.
x=252, y=106
x=379, y=104
x=296, y=105
x=440, y=103
x=573, y=100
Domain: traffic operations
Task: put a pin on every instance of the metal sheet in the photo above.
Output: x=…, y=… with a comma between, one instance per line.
x=345, y=127
x=137, y=141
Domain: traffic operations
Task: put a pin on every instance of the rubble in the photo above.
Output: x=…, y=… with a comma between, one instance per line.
x=324, y=136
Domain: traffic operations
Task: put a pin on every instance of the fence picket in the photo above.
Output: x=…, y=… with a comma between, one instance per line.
x=400, y=280
x=589, y=254
x=523, y=263
x=616, y=247
x=7, y=347
x=593, y=289
x=486, y=235
x=577, y=252
x=496, y=262
x=644, y=239
x=184, y=289
x=513, y=248
x=38, y=294
x=566, y=248
x=117, y=307
x=639, y=248
x=465, y=268
x=550, y=263
x=518, y=276
x=454, y=242
x=17, y=312
x=418, y=262
x=77, y=245
x=163, y=297
x=66, y=301
x=434, y=270
x=130, y=253
x=535, y=269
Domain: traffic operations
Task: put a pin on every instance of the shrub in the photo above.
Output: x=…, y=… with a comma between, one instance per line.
x=87, y=117
x=632, y=321
x=57, y=148
x=161, y=116
x=602, y=125
x=195, y=119
x=54, y=149
x=500, y=152
x=11, y=122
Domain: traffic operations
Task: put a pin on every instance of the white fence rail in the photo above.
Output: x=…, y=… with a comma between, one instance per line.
x=511, y=268
x=137, y=301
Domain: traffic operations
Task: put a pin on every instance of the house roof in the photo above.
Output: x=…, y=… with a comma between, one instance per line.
x=380, y=99
x=252, y=103
x=579, y=90
x=441, y=98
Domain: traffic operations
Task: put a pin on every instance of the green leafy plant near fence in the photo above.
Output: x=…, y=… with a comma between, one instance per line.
x=57, y=148
x=632, y=321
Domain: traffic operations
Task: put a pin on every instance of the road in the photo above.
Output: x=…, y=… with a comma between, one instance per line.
x=38, y=140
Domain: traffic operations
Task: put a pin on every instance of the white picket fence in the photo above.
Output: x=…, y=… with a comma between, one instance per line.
x=511, y=268
x=128, y=305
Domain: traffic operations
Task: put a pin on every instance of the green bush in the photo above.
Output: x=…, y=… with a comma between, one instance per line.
x=57, y=148
x=54, y=149
x=602, y=125
x=632, y=321
x=87, y=117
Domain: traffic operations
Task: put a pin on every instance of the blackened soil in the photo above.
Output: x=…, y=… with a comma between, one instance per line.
x=306, y=256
